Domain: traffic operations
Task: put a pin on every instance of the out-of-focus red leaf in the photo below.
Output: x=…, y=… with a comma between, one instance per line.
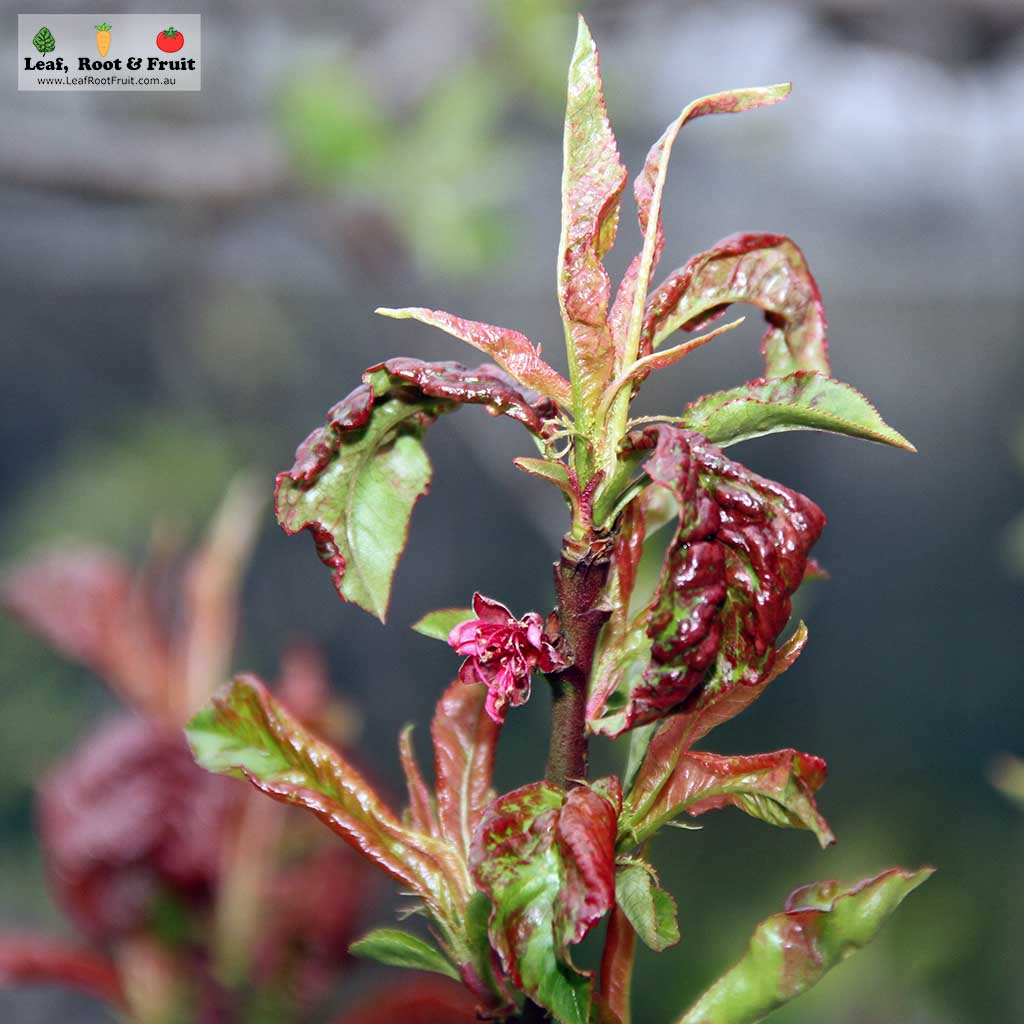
x=206, y=639
x=465, y=738
x=592, y=182
x=90, y=607
x=128, y=819
x=768, y=271
x=421, y=1001
x=30, y=960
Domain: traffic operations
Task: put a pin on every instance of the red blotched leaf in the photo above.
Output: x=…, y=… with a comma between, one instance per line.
x=739, y=554
x=465, y=738
x=91, y=607
x=512, y=351
x=356, y=479
x=777, y=788
x=767, y=271
x=593, y=178
x=29, y=960
x=246, y=733
x=649, y=188
x=547, y=861
x=822, y=925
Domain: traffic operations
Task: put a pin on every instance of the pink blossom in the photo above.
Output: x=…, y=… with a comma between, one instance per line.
x=501, y=651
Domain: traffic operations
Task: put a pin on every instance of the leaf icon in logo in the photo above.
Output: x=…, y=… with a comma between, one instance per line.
x=43, y=41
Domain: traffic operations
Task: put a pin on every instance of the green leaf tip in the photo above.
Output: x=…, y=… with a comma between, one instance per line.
x=396, y=948
x=438, y=624
x=822, y=924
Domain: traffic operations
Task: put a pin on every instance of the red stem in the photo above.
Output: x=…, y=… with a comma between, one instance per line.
x=580, y=577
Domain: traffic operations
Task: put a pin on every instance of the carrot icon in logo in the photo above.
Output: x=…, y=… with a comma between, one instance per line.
x=170, y=40
x=103, y=38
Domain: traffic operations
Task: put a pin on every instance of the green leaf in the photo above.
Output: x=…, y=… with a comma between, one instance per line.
x=593, y=178
x=546, y=859
x=800, y=401
x=400, y=949
x=356, y=479
x=43, y=41
x=777, y=788
x=648, y=908
x=437, y=625
x=768, y=271
x=246, y=733
x=792, y=951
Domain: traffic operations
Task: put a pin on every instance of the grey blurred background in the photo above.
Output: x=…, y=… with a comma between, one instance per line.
x=188, y=282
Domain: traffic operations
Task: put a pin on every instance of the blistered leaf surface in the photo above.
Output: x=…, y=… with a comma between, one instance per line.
x=546, y=859
x=739, y=553
x=768, y=271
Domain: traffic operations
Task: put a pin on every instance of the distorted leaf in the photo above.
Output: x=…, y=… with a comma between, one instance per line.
x=777, y=788
x=546, y=860
x=356, y=479
x=512, y=351
x=790, y=952
x=246, y=733
x=768, y=271
x=739, y=553
x=649, y=187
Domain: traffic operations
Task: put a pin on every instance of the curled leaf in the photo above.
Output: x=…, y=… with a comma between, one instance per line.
x=768, y=271
x=246, y=733
x=777, y=788
x=356, y=479
x=512, y=351
x=800, y=401
x=546, y=859
x=648, y=189
x=790, y=952
x=739, y=553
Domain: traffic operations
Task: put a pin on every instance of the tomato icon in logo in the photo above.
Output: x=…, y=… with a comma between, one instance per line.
x=170, y=41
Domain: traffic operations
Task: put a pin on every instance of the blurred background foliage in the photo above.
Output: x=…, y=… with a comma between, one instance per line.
x=188, y=284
